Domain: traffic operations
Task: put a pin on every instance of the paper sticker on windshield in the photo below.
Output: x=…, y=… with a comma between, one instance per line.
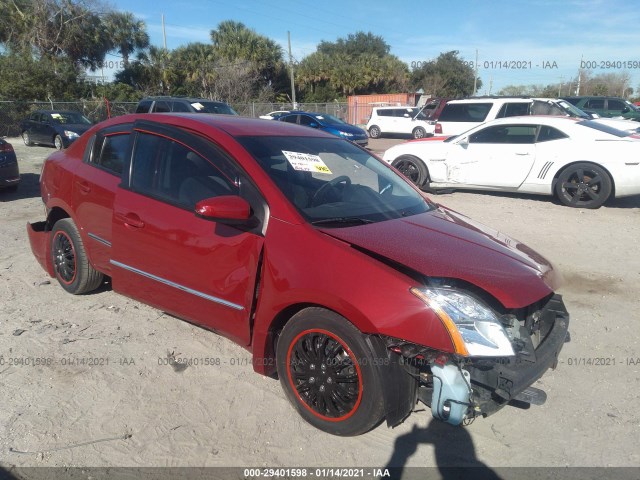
x=56, y=115
x=197, y=106
x=306, y=162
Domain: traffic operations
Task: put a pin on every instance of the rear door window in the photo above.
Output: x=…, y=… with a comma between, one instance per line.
x=465, y=112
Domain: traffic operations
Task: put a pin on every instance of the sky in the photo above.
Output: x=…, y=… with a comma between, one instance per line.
x=517, y=42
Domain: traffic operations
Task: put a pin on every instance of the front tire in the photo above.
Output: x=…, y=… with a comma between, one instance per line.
x=413, y=168
x=58, y=143
x=326, y=370
x=374, y=131
x=71, y=265
x=584, y=185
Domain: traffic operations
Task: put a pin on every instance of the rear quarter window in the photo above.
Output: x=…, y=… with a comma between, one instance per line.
x=465, y=112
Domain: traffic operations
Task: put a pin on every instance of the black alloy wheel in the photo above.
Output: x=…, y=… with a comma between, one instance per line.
x=584, y=185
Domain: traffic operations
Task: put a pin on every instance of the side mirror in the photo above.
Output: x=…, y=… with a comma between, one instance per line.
x=464, y=143
x=625, y=110
x=227, y=209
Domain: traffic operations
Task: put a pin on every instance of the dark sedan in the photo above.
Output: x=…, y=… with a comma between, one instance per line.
x=54, y=127
x=9, y=172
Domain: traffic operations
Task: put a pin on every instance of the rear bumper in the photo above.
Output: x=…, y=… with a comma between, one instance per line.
x=9, y=175
x=39, y=238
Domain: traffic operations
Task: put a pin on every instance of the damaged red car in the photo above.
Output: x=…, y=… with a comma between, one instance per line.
x=344, y=281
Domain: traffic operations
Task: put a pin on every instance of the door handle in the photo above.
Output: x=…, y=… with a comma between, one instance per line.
x=522, y=154
x=84, y=187
x=130, y=219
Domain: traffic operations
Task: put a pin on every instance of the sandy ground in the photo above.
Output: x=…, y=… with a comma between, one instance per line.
x=85, y=381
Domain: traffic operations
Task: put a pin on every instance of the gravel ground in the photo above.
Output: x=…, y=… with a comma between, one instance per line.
x=130, y=408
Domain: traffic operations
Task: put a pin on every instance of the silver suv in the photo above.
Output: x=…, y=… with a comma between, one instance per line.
x=399, y=120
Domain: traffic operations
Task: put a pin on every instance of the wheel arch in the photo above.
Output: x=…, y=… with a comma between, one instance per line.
x=264, y=344
x=55, y=214
x=398, y=381
x=561, y=169
x=427, y=178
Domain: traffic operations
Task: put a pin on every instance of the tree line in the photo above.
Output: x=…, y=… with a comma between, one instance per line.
x=48, y=46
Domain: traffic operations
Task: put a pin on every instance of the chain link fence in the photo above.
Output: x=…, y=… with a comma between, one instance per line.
x=13, y=112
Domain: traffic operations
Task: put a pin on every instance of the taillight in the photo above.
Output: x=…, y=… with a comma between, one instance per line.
x=438, y=129
x=6, y=148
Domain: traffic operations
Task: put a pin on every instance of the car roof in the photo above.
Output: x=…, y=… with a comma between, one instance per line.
x=235, y=126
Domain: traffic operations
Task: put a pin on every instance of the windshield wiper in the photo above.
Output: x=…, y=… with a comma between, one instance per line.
x=342, y=221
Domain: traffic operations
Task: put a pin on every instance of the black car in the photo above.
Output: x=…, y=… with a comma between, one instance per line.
x=183, y=105
x=54, y=127
x=9, y=172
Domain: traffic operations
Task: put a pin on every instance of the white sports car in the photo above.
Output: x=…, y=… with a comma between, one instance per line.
x=582, y=162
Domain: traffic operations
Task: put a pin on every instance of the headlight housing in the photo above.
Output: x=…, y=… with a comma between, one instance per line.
x=474, y=329
x=71, y=134
x=346, y=134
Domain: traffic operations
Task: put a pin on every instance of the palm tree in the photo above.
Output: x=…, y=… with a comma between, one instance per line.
x=127, y=34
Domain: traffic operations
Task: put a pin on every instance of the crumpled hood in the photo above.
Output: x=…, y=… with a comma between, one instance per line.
x=443, y=243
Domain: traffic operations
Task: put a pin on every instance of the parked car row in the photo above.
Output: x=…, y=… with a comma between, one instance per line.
x=337, y=273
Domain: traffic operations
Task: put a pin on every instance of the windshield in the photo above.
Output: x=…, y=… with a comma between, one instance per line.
x=632, y=107
x=334, y=183
x=75, y=118
x=329, y=119
x=213, y=107
x=572, y=110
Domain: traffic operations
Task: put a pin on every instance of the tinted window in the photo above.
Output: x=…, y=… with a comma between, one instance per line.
x=514, y=110
x=307, y=121
x=616, y=105
x=465, y=112
x=180, y=107
x=161, y=107
x=168, y=170
x=110, y=152
x=290, y=119
x=595, y=103
x=385, y=113
x=143, y=106
x=549, y=133
x=505, y=134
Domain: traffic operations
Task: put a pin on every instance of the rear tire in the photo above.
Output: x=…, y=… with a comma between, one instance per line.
x=413, y=168
x=71, y=265
x=326, y=370
x=374, y=131
x=419, y=132
x=584, y=185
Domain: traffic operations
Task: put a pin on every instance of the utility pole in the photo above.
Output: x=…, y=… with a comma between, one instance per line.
x=293, y=88
x=579, y=75
x=560, y=86
x=164, y=34
x=475, y=75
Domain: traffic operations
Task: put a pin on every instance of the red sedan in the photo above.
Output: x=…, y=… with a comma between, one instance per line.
x=340, y=277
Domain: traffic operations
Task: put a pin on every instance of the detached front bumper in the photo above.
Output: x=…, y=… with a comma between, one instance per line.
x=39, y=238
